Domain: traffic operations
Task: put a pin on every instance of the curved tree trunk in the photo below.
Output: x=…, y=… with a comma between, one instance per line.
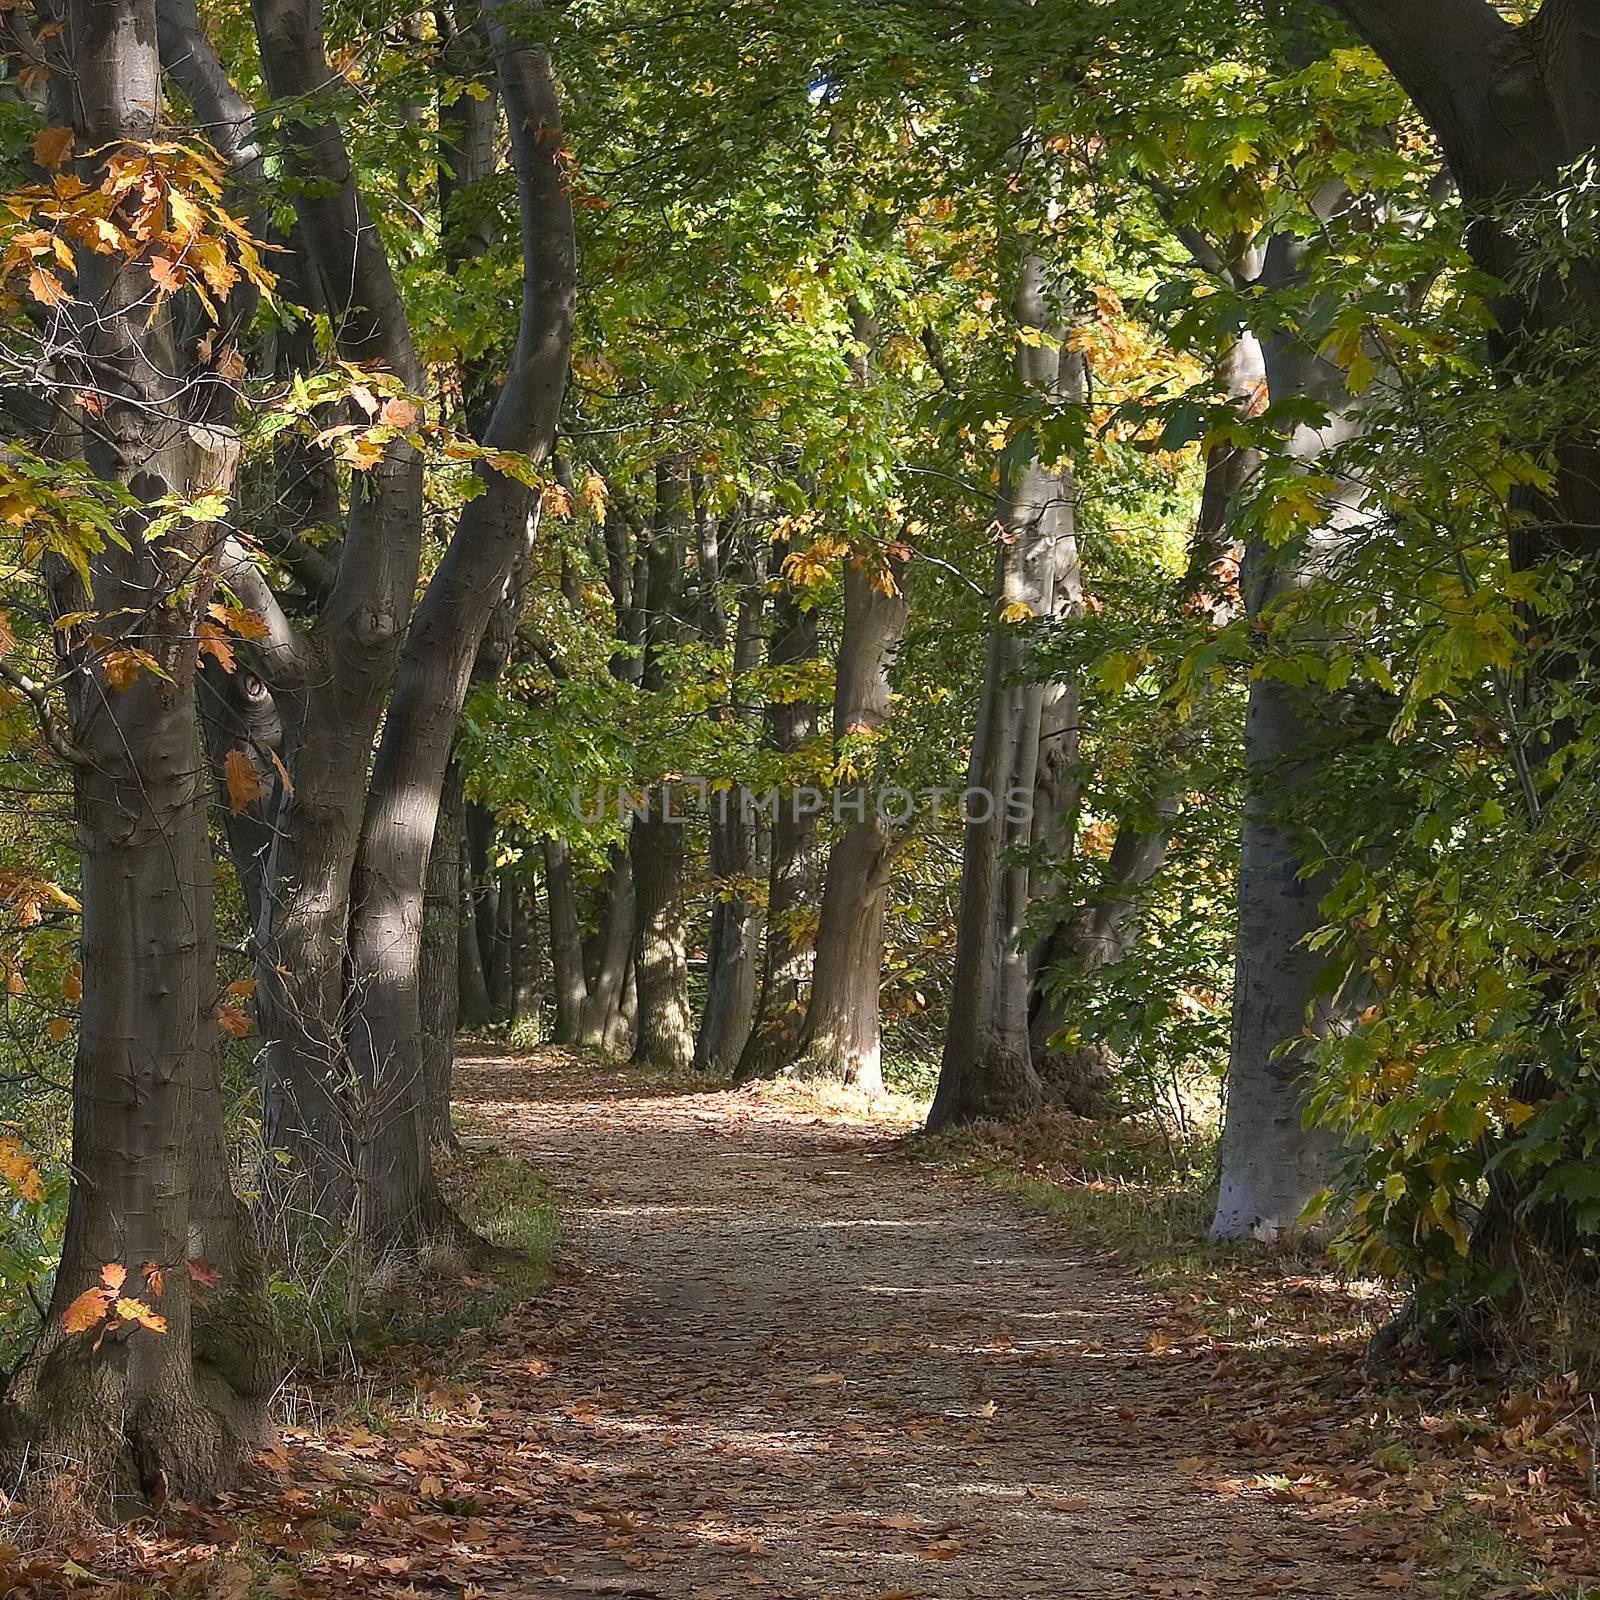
x=605, y=1021
x=665, y=1035
x=729, y=1012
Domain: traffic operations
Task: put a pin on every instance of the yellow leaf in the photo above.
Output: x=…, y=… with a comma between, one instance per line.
x=19, y=1169
x=137, y=1311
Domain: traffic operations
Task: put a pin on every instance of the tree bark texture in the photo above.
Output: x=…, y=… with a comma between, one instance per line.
x=987, y=1070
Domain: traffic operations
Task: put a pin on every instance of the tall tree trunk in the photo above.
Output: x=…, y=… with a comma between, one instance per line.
x=566, y=943
x=987, y=1070
x=840, y=1037
x=527, y=990
x=1099, y=932
x=607, y=1015
x=473, y=1009
x=729, y=1012
x=794, y=872
x=665, y=1036
x=123, y=1404
x=503, y=975
x=1271, y=1162
x=405, y=1207
x=439, y=972
x=329, y=684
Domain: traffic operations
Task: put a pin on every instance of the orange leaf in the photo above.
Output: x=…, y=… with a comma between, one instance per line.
x=113, y=1274
x=234, y=1021
x=52, y=146
x=166, y=273
x=214, y=643
x=398, y=413
x=243, y=781
x=57, y=1028
x=45, y=287
x=86, y=1310
x=19, y=1169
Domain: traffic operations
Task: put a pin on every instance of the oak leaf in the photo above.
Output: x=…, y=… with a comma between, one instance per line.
x=86, y=1310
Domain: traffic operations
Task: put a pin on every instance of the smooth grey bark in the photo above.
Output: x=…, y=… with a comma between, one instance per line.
x=735, y=938
x=794, y=869
x=473, y=936
x=527, y=988
x=566, y=943
x=1271, y=1163
x=1101, y=930
x=840, y=1036
x=439, y=972
x=987, y=1069
x=665, y=1036
x=606, y=1018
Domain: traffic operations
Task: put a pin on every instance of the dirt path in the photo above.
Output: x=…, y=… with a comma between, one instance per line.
x=786, y=1363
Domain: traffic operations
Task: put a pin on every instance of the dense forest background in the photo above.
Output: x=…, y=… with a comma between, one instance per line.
x=1033, y=557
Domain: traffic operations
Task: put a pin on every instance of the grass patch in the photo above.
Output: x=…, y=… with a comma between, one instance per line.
x=1125, y=1185
x=343, y=1313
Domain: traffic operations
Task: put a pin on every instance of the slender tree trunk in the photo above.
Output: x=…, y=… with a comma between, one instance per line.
x=840, y=1037
x=794, y=873
x=731, y=976
x=566, y=944
x=441, y=648
x=987, y=1070
x=527, y=998
x=1100, y=931
x=665, y=1036
x=660, y=947
x=503, y=977
x=439, y=973
x=472, y=986
x=607, y=1016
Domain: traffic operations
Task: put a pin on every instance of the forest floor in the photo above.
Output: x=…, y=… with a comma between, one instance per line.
x=788, y=1353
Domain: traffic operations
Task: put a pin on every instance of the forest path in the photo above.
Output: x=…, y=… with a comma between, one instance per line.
x=783, y=1362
